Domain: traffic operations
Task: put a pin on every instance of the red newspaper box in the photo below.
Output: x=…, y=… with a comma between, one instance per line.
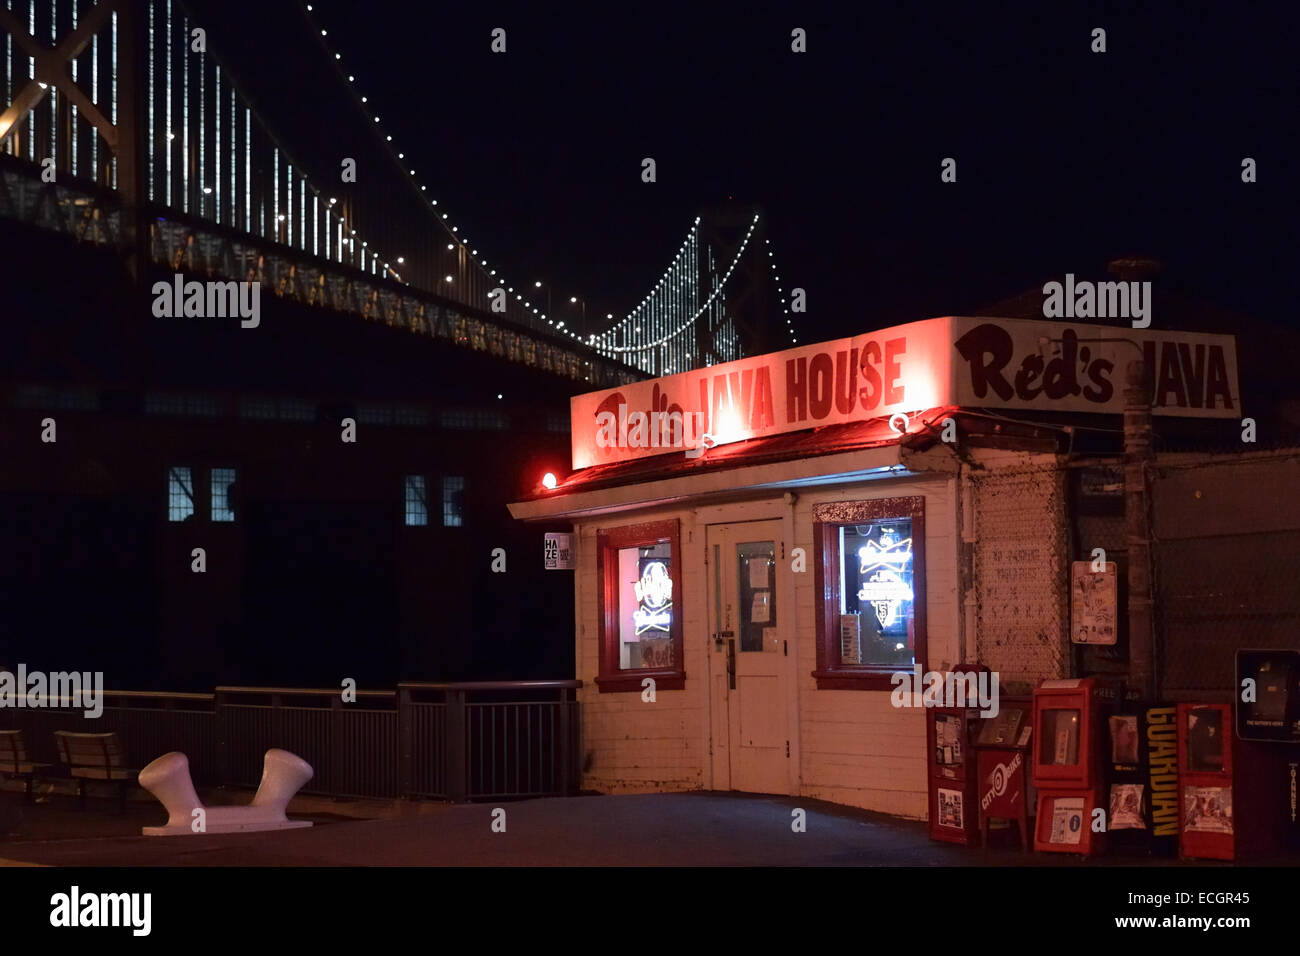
x=1205, y=791
x=1067, y=716
x=952, y=775
x=1234, y=795
x=1067, y=769
x=951, y=767
x=1002, y=746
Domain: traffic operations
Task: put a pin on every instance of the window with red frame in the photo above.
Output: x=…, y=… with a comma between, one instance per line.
x=639, y=595
x=870, y=574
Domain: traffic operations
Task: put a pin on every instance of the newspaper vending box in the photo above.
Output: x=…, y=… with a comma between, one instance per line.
x=1237, y=793
x=1002, y=746
x=951, y=767
x=1205, y=791
x=1069, y=716
x=1127, y=756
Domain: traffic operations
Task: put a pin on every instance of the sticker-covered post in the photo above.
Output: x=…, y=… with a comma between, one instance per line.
x=1137, y=458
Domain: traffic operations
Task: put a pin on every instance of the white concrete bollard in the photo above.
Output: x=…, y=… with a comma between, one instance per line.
x=283, y=775
x=168, y=779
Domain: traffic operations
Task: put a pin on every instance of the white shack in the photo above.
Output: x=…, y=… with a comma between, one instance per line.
x=762, y=545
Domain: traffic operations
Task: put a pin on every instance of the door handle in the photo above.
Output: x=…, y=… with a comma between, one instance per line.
x=718, y=637
x=731, y=663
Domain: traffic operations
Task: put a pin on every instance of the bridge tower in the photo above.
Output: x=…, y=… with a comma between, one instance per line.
x=751, y=301
x=50, y=112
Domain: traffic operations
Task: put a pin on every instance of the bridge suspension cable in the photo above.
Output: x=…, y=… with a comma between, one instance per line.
x=687, y=324
x=484, y=289
x=195, y=148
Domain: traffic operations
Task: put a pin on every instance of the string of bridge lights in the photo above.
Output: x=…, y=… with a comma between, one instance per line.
x=707, y=302
x=646, y=304
x=400, y=158
x=332, y=201
x=642, y=311
x=318, y=194
x=785, y=306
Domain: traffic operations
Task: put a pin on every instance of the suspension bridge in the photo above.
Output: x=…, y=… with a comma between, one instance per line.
x=124, y=128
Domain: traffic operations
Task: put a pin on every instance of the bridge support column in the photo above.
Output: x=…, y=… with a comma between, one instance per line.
x=131, y=155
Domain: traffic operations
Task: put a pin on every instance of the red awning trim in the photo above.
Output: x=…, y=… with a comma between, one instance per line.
x=808, y=443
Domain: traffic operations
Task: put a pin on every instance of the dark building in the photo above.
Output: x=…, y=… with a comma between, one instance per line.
x=315, y=492
x=324, y=559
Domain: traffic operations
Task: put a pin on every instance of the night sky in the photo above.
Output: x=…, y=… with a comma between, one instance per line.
x=1066, y=158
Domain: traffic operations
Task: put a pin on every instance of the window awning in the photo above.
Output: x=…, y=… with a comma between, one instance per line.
x=834, y=453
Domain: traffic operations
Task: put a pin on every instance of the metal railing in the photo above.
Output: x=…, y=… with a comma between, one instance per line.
x=458, y=742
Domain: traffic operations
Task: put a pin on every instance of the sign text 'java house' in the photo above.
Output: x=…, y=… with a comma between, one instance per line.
x=970, y=362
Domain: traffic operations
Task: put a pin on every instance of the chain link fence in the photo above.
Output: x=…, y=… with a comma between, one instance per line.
x=1227, y=567
x=1021, y=572
x=1225, y=534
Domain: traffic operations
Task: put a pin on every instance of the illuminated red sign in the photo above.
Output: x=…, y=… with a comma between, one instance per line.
x=970, y=362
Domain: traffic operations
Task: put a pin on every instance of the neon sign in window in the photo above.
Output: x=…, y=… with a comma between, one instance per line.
x=654, y=595
x=883, y=565
x=876, y=584
x=645, y=606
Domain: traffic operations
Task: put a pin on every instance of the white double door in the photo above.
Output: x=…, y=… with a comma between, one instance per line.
x=750, y=658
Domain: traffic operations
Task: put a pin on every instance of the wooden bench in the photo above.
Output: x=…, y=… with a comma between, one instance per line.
x=14, y=762
x=94, y=757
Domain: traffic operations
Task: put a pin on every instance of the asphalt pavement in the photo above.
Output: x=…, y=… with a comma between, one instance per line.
x=673, y=829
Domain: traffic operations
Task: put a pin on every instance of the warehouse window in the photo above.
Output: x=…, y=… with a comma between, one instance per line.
x=261, y=408
x=453, y=494
x=371, y=413
x=44, y=396
x=410, y=415
x=870, y=569
x=492, y=421
x=417, y=501
x=640, y=607
x=188, y=404
x=180, y=494
x=277, y=409
x=223, y=508
x=456, y=418
x=296, y=410
x=474, y=419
